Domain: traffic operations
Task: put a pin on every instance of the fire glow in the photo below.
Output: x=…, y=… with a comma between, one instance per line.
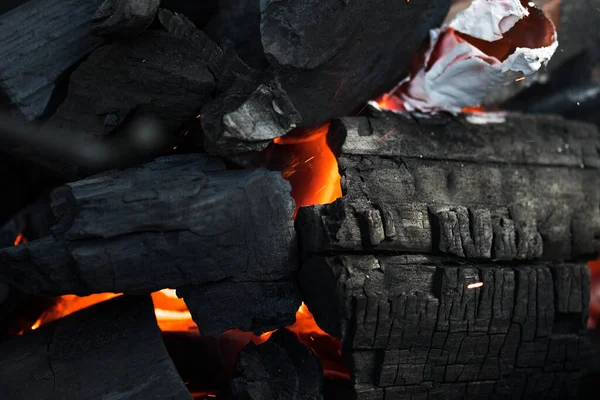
x=307, y=162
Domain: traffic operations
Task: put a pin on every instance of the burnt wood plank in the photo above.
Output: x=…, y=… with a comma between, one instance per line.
x=41, y=40
x=522, y=190
x=112, y=351
x=410, y=324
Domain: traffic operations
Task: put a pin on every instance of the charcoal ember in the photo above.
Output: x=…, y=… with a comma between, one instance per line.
x=156, y=73
x=450, y=268
x=111, y=350
x=281, y=368
x=47, y=37
x=177, y=221
x=324, y=69
x=124, y=17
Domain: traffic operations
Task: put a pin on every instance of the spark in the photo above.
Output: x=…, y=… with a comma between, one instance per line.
x=387, y=134
x=20, y=239
x=362, y=109
x=520, y=79
x=174, y=147
x=186, y=133
x=309, y=159
x=474, y=285
x=320, y=190
x=339, y=89
x=198, y=116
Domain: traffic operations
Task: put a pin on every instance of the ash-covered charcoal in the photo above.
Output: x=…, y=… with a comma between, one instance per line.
x=111, y=351
x=282, y=368
x=124, y=17
x=42, y=39
x=485, y=47
x=314, y=66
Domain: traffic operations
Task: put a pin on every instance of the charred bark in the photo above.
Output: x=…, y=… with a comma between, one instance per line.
x=112, y=351
x=281, y=368
x=42, y=40
x=445, y=267
x=174, y=222
x=314, y=67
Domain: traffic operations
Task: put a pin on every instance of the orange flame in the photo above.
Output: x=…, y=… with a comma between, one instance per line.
x=308, y=163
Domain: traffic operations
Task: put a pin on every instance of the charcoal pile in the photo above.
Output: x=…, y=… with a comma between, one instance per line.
x=238, y=200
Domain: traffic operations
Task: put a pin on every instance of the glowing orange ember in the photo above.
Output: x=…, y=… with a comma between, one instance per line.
x=171, y=312
x=308, y=163
x=20, y=239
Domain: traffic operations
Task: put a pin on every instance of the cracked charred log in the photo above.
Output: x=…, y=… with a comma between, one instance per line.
x=451, y=266
x=180, y=221
x=308, y=66
x=87, y=354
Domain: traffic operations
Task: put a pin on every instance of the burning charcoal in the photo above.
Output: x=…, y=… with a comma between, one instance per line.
x=112, y=351
x=46, y=38
x=124, y=17
x=156, y=74
x=409, y=268
x=280, y=369
x=311, y=67
x=179, y=220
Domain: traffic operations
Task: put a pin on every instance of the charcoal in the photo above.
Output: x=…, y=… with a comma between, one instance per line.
x=124, y=17
x=177, y=221
x=111, y=351
x=480, y=191
x=156, y=74
x=325, y=67
x=454, y=265
x=43, y=39
x=281, y=368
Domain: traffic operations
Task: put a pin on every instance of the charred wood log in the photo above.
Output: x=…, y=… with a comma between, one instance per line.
x=124, y=17
x=281, y=368
x=314, y=67
x=43, y=39
x=524, y=189
x=459, y=290
x=154, y=73
x=112, y=351
x=176, y=221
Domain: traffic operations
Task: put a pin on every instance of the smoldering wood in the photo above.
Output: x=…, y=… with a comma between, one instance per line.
x=411, y=324
x=522, y=190
x=281, y=368
x=124, y=17
x=179, y=220
x=43, y=39
x=112, y=350
x=314, y=68
x=154, y=73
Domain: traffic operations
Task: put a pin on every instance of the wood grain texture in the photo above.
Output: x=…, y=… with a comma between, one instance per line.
x=41, y=40
x=111, y=351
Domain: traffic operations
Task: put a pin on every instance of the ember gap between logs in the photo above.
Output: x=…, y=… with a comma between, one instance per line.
x=315, y=199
